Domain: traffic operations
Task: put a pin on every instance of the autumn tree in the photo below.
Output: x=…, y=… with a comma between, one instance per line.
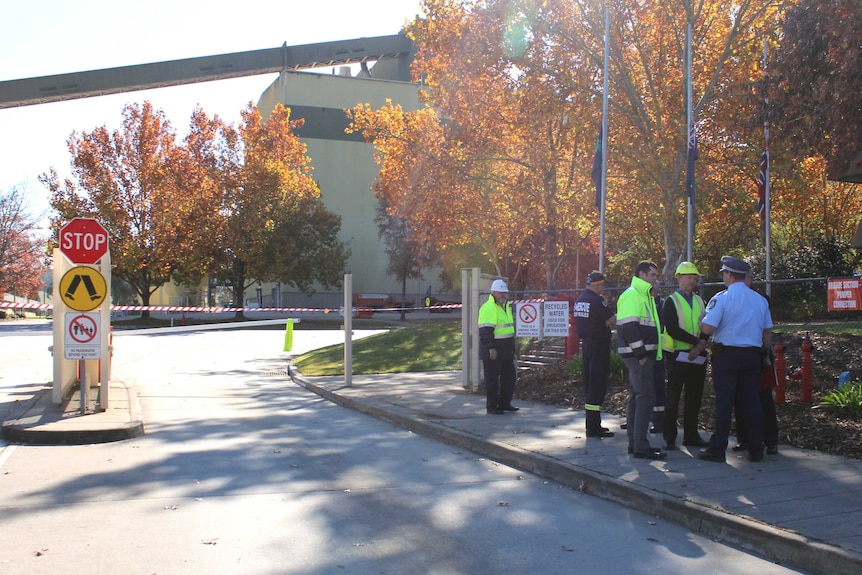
x=815, y=81
x=21, y=248
x=125, y=179
x=494, y=158
x=407, y=254
x=273, y=224
x=515, y=89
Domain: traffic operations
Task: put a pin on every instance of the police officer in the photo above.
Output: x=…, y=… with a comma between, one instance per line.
x=593, y=321
x=497, y=349
x=686, y=362
x=740, y=324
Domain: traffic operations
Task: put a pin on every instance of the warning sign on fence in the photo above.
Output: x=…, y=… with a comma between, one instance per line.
x=844, y=294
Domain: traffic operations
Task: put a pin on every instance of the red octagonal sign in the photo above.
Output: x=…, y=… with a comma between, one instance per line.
x=83, y=241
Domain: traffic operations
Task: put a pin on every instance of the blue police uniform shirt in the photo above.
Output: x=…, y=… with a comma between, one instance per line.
x=739, y=316
x=591, y=311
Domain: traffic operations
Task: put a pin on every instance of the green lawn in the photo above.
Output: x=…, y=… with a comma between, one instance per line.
x=426, y=347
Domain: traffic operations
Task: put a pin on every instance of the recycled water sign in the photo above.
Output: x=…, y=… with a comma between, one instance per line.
x=844, y=294
x=556, y=318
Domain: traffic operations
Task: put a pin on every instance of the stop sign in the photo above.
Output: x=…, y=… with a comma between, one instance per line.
x=83, y=241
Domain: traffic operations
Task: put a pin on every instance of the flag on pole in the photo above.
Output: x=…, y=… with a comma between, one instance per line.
x=691, y=156
x=596, y=172
x=761, y=185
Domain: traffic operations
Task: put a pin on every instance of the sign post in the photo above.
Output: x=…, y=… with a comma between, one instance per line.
x=79, y=289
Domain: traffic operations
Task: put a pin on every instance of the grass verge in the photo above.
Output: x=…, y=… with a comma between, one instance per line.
x=426, y=347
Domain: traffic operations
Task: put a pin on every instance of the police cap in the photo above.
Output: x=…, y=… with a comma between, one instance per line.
x=734, y=265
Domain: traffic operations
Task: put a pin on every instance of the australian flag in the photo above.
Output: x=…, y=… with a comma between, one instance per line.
x=761, y=185
x=691, y=157
x=596, y=172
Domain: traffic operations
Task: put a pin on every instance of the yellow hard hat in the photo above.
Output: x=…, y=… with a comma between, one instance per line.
x=686, y=268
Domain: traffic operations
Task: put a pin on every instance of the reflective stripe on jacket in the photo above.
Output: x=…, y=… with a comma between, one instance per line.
x=496, y=330
x=637, y=322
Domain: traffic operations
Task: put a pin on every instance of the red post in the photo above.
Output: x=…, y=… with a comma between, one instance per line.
x=806, y=369
x=573, y=343
x=780, y=373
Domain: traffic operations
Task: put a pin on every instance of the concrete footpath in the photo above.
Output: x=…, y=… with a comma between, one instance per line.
x=799, y=508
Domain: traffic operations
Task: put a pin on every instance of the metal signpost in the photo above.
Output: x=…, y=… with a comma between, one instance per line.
x=79, y=294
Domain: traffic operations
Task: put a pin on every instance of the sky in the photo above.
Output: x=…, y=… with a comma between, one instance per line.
x=61, y=36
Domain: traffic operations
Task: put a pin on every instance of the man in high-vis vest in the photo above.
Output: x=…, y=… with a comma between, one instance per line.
x=638, y=344
x=686, y=359
x=497, y=349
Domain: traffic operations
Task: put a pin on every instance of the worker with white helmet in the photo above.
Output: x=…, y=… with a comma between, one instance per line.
x=497, y=349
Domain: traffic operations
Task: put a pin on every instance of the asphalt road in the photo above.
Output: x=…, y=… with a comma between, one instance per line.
x=240, y=471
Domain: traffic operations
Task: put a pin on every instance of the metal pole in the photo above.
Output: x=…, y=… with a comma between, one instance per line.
x=689, y=129
x=768, y=207
x=604, y=145
x=466, y=313
x=84, y=381
x=348, y=329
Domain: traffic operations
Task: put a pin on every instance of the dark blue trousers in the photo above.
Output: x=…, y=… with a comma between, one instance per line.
x=499, y=382
x=596, y=356
x=736, y=373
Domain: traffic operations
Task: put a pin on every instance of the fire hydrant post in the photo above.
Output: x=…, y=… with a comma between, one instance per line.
x=780, y=373
x=807, y=374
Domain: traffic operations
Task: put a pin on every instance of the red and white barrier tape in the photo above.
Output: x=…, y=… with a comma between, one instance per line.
x=199, y=309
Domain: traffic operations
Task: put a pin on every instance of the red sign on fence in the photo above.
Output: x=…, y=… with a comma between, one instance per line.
x=844, y=294
x=83, y=241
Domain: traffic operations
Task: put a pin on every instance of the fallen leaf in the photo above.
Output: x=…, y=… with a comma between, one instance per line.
x=209, y=541
x=40, y=552
x=503, y=503
x=569, y=549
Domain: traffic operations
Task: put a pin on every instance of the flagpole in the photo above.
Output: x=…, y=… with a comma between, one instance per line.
x=768, y=206
x=604, y=146
x=689, y=151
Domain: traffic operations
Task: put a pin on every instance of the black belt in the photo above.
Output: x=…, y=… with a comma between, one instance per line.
x=745, y=349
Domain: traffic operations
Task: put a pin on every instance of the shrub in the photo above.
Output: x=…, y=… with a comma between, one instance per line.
x=848, y=399
x=575, y=366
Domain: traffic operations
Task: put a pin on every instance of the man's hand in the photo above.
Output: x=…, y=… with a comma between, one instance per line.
x=642, y=360
x=695, y=351
x=492, y=353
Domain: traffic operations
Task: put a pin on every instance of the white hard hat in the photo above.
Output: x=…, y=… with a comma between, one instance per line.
x=500, y=285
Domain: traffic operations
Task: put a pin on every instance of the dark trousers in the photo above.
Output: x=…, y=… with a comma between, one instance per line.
x=735, y=374
x=640, y=403
x=688, y=378
x=596, y=356
x=770, y=420
x=499, y=382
